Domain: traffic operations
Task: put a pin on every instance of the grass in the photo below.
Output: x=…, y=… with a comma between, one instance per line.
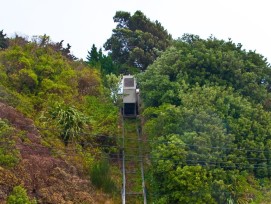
x=8, y=153
x=101, y=176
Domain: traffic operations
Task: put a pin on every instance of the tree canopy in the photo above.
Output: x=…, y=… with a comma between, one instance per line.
x=192, y=60
x=136, y=41
x=97, y=59
x=206, y=116
x=3, y=40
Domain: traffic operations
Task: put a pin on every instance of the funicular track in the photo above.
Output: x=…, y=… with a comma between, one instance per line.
x=133, y=185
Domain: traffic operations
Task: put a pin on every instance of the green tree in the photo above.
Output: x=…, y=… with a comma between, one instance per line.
x=108, y=66
x=214, y=128
x=93, y=56
x=190, y=184
x=136, y=41
x=45, y=41
x=192, y=61
x=104, y=116
x=210, y=94
x=97, y=59
x=37, y=69
x=89, y=82
x=3, y=40
x=112, y=83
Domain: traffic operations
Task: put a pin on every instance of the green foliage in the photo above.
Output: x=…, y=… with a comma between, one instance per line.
x=97, y=59
x=136, y=41
x=112, y=83
x=3, y=40
x=7, y=96
x=38, y=73
x=192, y=61
x=157, y=89
x=8, y=153
x=40, y=79
x=70, y=120
x=205, y=106
x=19, y=196
x=104, y=115
x=215, y=128
x=94, y=56
x=101, y=177
x=27, y=80
x=12, y=98
x=6, y=158
x=45, y=41
x=27, y=66
x=194, y=185
x=89, y=82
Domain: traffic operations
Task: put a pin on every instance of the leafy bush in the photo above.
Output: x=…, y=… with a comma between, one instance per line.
x=19, y=196
x=7, y=97
x=104, y=114
x=89, y=82
x=207, y=105
x=101, y=178
x=7, y=159
x=8, y=153
x=70, y=120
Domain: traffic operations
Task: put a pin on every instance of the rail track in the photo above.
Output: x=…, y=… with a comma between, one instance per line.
x=133, y=182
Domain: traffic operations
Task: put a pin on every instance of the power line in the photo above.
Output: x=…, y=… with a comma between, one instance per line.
x=193, y=163
x=149, y=156
x=146, y=155
x=162, y=142
x=152, y=141
x=170, y=159
x=156, y=159
x=166, y=142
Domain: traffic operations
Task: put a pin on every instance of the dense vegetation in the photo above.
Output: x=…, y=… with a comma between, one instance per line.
x=136, y=41
x=8, y=154
x=206, y=106
x=207, y=110
x=66, y=99
x=52, y=85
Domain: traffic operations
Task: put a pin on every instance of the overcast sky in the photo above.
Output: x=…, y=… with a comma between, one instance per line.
x=85, y=22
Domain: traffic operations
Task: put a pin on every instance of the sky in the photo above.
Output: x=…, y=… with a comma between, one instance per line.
x=82, y=23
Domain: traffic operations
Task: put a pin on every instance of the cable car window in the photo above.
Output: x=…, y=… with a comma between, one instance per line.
x=129, y=82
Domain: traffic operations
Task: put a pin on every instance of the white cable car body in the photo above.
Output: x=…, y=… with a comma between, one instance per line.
x=130, y=96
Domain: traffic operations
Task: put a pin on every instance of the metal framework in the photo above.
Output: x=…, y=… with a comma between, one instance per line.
x=130, y=96
x=130, y=110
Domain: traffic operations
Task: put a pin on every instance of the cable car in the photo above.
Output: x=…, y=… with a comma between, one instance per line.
x=130, y=96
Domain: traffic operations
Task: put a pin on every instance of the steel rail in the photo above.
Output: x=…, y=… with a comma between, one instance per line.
x=138, y=129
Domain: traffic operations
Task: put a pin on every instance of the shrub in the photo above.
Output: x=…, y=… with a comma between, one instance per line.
x=101, y=178
x=70, y=120
x=8, y=153
x=19, y=196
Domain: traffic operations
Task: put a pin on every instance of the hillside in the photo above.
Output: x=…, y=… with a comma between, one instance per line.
x=47, y=178
x=53, y=111
x=204, y=133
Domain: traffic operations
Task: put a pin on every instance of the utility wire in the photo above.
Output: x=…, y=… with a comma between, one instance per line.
x=157, y=159
x=166, y=142
x=149, y=156
x=148, y=141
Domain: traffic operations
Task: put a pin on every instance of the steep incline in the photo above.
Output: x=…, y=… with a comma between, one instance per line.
x=49, y=179
x=133, y=164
